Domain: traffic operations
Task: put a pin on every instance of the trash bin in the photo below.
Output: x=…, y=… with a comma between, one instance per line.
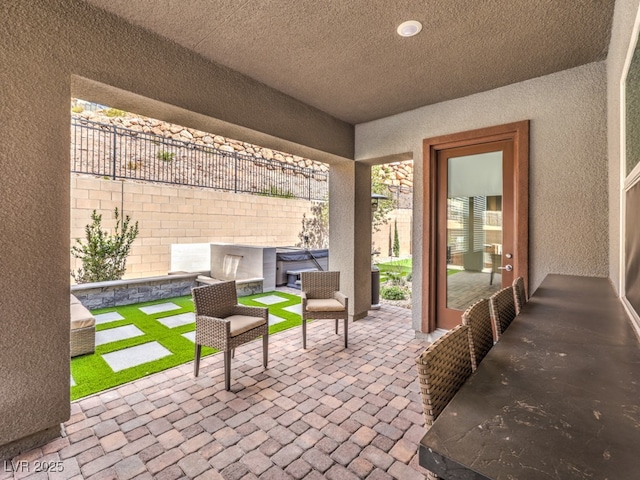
x=375, y=287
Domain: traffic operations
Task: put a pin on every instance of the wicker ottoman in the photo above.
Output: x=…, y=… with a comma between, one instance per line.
x=83, y=329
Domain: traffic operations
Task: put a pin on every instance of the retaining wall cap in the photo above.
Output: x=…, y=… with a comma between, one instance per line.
x=133, y=281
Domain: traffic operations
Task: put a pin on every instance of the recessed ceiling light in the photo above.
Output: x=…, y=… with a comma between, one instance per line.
x=409, y=28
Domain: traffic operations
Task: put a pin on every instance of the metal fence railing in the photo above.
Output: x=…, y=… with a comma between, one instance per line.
x=110, y=151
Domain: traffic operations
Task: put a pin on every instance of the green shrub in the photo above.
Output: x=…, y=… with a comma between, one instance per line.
x=166, y=156
x=393, y=293
x=104, y=256
x=77, y=109
x=274, y=191
x=114, y=112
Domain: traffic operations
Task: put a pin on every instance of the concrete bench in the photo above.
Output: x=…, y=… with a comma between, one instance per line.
x=82, y=338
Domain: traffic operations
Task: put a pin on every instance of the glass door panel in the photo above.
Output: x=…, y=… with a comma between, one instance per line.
x=473, y=240
x=474, y=228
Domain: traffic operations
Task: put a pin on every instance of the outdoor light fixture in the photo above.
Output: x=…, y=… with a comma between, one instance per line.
x=409, y=28
x=375, y=198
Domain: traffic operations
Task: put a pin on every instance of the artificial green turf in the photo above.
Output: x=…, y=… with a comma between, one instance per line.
x=92, y=374
x=395, y=265
x=394, y=268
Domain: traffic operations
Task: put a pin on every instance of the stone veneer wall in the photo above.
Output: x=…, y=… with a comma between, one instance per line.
x=123, y=292
x=127, y=292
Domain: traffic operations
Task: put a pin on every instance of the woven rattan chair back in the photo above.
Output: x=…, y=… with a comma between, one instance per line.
x=442, y=369
x=215, y=300
x=213, y=304
x=503, y=310
x=519, y=294
x=480, y=333
x=323, y=285
x=320, y=284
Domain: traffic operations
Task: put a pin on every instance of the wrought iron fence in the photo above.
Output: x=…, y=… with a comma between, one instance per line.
x=116, y=152
x=402, y=195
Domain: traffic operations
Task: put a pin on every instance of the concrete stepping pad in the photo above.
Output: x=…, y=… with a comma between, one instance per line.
x=297, y=309
x=190, y=336
x=118, y=333
x=134, y=356
x=107, y=317
x=270, y=300
x=178, y=320
x=273, y=319
x=159, y=308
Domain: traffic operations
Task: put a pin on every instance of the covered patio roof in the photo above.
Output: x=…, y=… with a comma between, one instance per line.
x=346, y=59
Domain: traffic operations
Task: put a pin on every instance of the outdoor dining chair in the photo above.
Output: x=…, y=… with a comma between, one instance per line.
x=442, y=369
x=322, y=299
x=478, y=318
x=519, y=294
x=223, y=324
x=503, y=310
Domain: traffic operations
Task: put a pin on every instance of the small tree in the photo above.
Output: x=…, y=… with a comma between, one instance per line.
x=104, y=256
x=315, y=227
x=396, y=240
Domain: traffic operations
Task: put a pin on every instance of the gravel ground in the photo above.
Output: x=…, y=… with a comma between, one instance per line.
x=406, y=303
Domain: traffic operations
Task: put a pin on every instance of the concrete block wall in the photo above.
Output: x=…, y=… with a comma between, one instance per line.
x=169, y=214
x=381, y=239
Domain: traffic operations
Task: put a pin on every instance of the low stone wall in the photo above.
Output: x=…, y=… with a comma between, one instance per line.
x=127, y=292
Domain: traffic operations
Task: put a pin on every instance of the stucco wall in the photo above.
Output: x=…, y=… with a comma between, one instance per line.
x=621, y=37
x=49, y=49
x=568, y=225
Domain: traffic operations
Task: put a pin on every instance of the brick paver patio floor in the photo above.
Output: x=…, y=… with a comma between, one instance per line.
x=324, y=412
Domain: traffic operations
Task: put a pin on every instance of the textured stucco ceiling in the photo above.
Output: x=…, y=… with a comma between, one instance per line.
x=345, y=58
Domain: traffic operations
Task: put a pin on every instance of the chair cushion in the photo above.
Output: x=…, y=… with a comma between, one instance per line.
x=244, y=323
x=81, y=317
x=324, y=305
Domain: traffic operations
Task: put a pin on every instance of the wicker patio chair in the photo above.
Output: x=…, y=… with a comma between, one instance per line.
x=478, y=318
x=519, y=294
x=224, y=325
x=503, y=310
x=322, y=299
x=442, y=369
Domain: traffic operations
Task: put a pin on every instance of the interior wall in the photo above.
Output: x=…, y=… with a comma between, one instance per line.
x=568, y=185
x=621, y=37
x=47, y=44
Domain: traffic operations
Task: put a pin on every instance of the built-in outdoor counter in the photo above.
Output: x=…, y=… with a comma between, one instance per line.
x=558, y=397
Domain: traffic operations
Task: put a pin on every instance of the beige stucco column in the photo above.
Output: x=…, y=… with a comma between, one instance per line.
x=350, y=232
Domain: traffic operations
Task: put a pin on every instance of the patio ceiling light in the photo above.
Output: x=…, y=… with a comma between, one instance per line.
x=409, y=28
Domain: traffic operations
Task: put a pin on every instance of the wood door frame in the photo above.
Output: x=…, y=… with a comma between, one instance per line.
x=518, y=132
